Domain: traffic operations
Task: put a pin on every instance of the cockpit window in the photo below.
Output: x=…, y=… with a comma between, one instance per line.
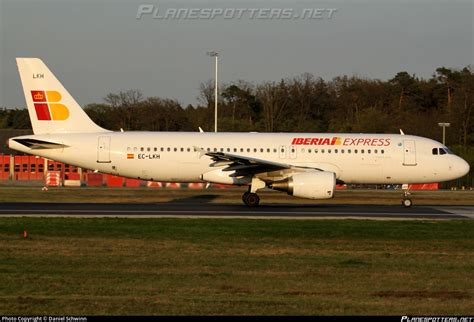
x=441, y=151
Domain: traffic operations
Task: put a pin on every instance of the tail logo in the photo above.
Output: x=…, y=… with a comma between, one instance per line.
x=48, y=106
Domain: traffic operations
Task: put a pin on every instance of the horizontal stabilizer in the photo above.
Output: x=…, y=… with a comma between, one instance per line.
x=35, y=144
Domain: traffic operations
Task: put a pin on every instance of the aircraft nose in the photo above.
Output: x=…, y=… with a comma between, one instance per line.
x=462, y=167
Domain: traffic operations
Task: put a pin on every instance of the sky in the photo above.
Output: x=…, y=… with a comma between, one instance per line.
x=96, y=47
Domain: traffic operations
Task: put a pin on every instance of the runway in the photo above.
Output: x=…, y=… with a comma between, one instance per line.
x=213, y=210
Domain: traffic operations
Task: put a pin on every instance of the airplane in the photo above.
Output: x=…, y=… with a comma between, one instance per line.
x=304, y=165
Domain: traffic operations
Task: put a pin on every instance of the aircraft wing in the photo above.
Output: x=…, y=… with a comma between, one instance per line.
x=244, y=166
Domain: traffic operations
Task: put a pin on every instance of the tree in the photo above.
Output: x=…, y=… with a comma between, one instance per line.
x=274, y=99
x=123, y=106
x=405, y=84
x=447, y=77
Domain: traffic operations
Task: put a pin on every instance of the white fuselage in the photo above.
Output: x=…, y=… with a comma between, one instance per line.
x=176, y=156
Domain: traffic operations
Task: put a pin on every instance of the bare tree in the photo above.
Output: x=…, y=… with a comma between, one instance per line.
x=206, y=93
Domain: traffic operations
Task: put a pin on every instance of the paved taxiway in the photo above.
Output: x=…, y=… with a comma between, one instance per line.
x=212, y=210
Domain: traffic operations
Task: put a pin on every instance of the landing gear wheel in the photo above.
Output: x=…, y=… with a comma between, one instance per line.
x=407, y=203
x=251, y=199
x=244, y=197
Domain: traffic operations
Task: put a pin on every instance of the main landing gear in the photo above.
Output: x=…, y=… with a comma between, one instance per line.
x=250, y=198
x=406, y=201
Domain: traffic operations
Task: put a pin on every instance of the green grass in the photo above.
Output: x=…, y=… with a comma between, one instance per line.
x=232, y=196
x=204, y=266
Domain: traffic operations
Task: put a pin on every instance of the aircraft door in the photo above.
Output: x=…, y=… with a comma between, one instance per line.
x=409, y=153
x=103, y=149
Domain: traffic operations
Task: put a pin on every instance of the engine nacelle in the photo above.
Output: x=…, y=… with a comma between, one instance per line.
x=309, y=185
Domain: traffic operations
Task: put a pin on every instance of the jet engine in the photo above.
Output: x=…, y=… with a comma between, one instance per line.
x=309, y=185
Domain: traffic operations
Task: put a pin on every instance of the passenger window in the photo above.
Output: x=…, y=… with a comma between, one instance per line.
x=348, y=150
x=368, y=151
x=128, y=149
x=254, y=150
x=375, y=151
x=142, y=149
x=248, y=149
x=168, y=149
x=261, y=150
x=135, y=149
x=148, y=149
x=362, y=151
x=309, y=150
x=189, y=149
x=268, y=150
x=382, y=151
x=175, y=149
x=182, y=149
x=342, y=150
x=335, y=150
x=322, y=150
x=355, y=151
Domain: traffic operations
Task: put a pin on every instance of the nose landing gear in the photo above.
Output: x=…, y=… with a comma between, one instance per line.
x=406, y=201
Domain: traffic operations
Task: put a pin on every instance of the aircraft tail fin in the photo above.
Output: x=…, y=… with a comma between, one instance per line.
x=50, y=106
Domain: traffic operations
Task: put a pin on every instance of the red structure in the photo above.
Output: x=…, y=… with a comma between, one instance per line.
x=94, y=179
x=4, y=167
x=424, y=186
x=114, y=181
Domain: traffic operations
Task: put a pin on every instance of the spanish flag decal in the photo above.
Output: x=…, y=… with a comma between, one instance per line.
x=130, y=156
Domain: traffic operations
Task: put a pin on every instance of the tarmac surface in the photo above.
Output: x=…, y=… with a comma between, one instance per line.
x=189, y=209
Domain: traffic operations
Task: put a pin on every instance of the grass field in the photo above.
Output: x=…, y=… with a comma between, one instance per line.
x=234, y=195
x=204, y=266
